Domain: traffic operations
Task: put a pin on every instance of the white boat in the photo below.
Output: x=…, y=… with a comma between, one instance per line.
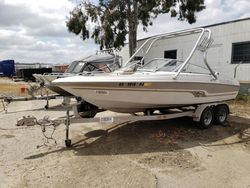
x=102, y=61
x=155, y=84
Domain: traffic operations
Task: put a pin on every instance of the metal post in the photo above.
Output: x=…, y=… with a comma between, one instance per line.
x=75, y=111
x=5, y=103
x=4, y=107
x=47, y=101
x=67, y=126
x=67, y=123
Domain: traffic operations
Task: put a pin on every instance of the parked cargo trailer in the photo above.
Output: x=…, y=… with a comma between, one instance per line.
x=7, y=68
x=26, y=74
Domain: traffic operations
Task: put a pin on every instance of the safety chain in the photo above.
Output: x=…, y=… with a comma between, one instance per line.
x=46, y=122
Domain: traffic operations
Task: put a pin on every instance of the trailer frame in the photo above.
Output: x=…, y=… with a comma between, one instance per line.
x=205, y=115
x=196, y=114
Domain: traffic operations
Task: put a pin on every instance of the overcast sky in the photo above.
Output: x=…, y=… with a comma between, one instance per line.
x=35, y=31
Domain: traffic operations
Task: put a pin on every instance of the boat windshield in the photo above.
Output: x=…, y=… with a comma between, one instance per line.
x=75, y=67
x=168, y=65
x=83, y=66
x=102, y=61
x=99, y=67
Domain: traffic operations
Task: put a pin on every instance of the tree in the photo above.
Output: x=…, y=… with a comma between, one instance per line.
x=112, y=20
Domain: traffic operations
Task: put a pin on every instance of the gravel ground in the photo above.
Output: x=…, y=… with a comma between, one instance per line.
x=171, y=153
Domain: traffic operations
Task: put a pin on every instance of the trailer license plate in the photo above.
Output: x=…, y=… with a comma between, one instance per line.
x=106, y=119
x=101, y=92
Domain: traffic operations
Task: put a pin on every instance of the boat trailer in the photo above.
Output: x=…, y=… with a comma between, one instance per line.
x=204, y=114
x=7, y=100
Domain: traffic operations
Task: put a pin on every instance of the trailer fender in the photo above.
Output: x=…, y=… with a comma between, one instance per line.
x=198, y=111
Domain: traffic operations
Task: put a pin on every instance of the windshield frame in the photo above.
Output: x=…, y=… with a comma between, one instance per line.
x=164, y=62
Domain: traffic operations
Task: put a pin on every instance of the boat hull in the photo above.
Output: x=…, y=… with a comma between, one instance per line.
x=122, y=95
x=47, y=79
x=119, y=101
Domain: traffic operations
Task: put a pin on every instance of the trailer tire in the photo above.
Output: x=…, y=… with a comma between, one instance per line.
x=68, y=143
x=220, y=114
x=46, y=107
x=86, y=110
x=206, y=119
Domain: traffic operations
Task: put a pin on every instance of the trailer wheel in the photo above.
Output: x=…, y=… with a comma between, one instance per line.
x=86, y=110
x=68, y=143
x=220, y=114
x=206, y=118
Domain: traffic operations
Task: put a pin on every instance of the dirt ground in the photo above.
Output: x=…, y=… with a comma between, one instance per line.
x=9, y=88
x=173, y=153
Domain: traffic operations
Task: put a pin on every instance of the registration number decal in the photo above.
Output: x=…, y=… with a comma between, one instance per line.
x=134, y=84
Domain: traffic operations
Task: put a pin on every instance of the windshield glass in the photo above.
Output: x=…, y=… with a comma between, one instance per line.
x=195, y=68
x=78, y=67
x=71, y=66
x=95, y=63
x=90, y=67
x=106, y=66
x=168, y=65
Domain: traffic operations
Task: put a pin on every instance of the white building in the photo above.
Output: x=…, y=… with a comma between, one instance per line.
x=230, y=49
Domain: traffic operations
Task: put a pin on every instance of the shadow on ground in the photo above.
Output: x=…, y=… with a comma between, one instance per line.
x=153, y=136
